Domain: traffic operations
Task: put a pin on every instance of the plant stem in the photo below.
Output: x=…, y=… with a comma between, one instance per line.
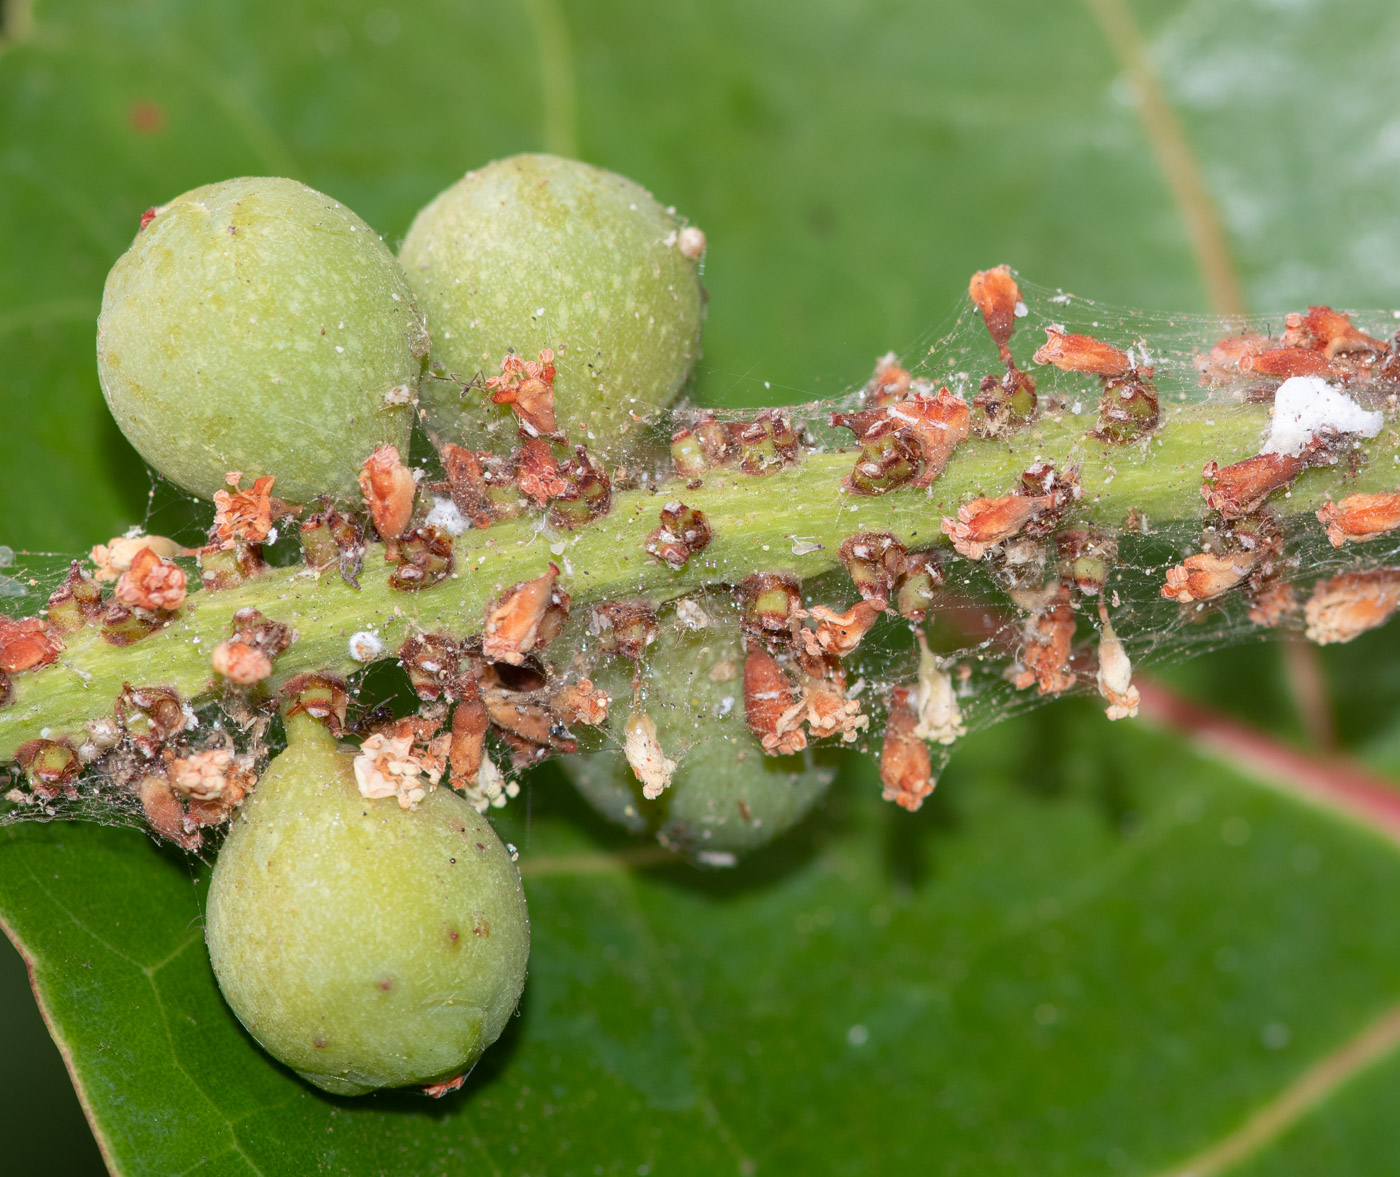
x=756, y=522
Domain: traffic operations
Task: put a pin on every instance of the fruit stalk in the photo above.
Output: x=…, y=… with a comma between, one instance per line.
x=792, y=520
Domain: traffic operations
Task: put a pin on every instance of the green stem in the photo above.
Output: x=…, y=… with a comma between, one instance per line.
x=770, y=523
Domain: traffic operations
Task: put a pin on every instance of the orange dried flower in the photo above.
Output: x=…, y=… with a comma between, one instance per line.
x=1206, y=575
x=1222, y=363
x=997, y=296
x=165, y=814
x=467, y=743
x=1048, y=636
x=115, y=556
x=513, y=624
x=388, y=489
x=581, y=702
x=906, y=771
x=537, y=472
x=527, y=386
x=984, y=523
x=151, y=583
x=773, y=714
x=1082, y=353
x=1283, y=363
x=1348, y=605
x=1272, y=603
x=240, y=662
x=939, y=424
x=245, y=515
x=1360, y=517
x=838, y=633
x=26, y=644
x=1328, y=331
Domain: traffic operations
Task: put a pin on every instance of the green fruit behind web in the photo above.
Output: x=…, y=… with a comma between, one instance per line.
x=364, y=945
x=726, y=798
x=535, y=251
x=258, y=325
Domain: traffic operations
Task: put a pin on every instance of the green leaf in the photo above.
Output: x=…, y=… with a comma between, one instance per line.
x=1092, y=951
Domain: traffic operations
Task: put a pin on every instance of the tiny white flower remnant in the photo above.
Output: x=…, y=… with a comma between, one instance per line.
x=490, y=790
x=642, y=747
x=937, y=710
x=1305, y=406
x=1115, y=672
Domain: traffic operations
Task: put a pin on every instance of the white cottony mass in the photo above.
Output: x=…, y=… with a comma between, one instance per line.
x=1306, y=405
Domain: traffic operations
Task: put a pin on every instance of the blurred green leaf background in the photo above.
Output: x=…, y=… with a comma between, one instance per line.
x=1094, y=951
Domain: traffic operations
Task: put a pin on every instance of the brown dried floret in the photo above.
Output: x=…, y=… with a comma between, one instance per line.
x=624, y=627
x=467, y=483
x=1082, y=353
x=530, y=718
x=424, y=558
x=997, y=296
x=874, y=560
x=1003, y=403
x=581, y=702
x=586, y=494
x=826, y=708
x=467, y=746
x=1129, y=410
x=513, y=623
x=1086, y=557
x=1241, y=488
x=332, y=537
x=769, y=604
x=149, y=717
x=1272, y=602
x=1046, y=643
x=984, y=523
x=50, y=766
x=1350, y=604
x=75, y=602
x=774, y=715
x=164, y=813
x=1360, y=517
x=1207, y=574
x=766, y=443
x=431, y=661
x=388, y=489
x=240, y=662
x=213, y=783
x=838, y=633
x=906, y=771
x=1283, y=363
x=938, y=423
x=124, y=627
x=684, y=531
x=27, y=644
x=891, y=382
x=1222, y=363
x=527, y=386
x=701, y=446
x=151, y=583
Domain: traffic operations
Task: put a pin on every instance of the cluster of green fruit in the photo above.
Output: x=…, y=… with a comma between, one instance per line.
x=257, y=326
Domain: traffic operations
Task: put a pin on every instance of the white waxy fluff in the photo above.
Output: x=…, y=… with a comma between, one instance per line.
x=1306, y=405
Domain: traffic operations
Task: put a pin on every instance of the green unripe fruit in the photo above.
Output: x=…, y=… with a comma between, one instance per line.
x=362, y=944
x=538, y=252
x=257, y=325
x=726, y=797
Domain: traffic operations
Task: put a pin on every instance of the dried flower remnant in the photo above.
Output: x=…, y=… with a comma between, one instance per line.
x=999, y=299
x=906, y=771
x=684, y=531
x=240, y=662
x=27, y=644
x=838, y=634
x=874, y=560
x=1207, y=574
x=331, y=537
x=1348, y=605
x=403, y=762
x=527, y=386
x=513, y=623
x=424, y=559
x=536, y=472
x=890, y=382
x=1086, y=556
x=1221, y=364
x=586, y=493
x=936, y=701
x=1082, y=353
x=1240, y=489
x=1327, y=331
x=773, y=714
x=769, y=604
x=165, y=814
x=1129, y=410
x=213, y=783
x=115, y=556
x=1115, y=676
x=889, y=457
x=1272, y=603
x=467, y=483
x=151, y=583
x=825, y=706
x=1046, y=643
x=75, y=602
x=642, y=747
x=581, y=702
x=388, y=489
x=245, y=515
x=467, y=739
x=624, y=627
x=984, y=523
x=1360, y=517
x=490, y=789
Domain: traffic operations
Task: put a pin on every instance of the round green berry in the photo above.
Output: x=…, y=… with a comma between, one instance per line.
x=258, y=325
x=726, y=797
x=362, y=944
x=537, y=252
